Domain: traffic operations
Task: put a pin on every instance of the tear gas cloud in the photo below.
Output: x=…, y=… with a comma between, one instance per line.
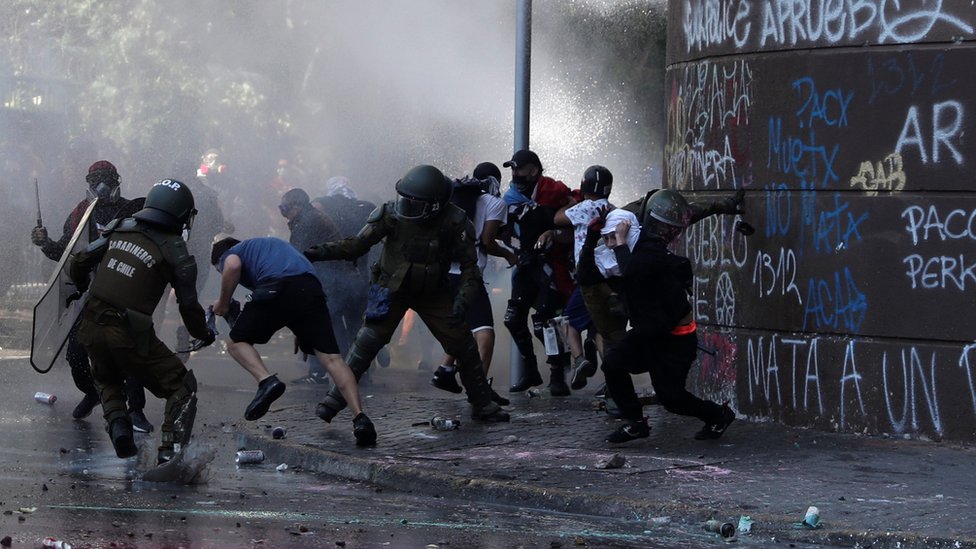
x=360, y=88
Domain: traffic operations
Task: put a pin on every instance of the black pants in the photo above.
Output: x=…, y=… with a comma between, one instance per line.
x=77, y=358
x=532, y=289
x=667, y=359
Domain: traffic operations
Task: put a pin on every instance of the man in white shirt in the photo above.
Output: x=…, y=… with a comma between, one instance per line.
x=479, y=196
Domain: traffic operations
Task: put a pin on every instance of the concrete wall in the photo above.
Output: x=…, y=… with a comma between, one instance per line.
x=852, y=126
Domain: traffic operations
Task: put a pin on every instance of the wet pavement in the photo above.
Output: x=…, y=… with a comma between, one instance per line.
x=871, y=492
x=532, y=482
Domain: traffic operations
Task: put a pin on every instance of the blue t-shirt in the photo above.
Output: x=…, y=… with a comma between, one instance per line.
x=267, y=259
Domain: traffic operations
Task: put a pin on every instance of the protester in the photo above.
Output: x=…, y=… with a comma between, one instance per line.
x=479, y=197
x=308, y=226
x=284, y=294
x=663, y=339
x=104, y=184
x=541, y=279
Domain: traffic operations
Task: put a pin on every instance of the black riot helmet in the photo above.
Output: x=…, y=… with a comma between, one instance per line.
x=597, y=180
x=423, y=192
x=169, y=204
x=666, y=214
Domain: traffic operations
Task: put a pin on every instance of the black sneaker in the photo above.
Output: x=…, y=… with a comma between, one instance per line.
x=631, y=431
x=140, y=423
x=268, y=391
x=363, y=430
x=582, y=370
x=120, y=432
x=311, y=379
x=446, y=381
x=85, y=407
x=712, y=431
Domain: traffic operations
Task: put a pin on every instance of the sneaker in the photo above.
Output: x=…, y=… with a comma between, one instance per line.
x=582, y=369
x=601, y=391
x=140, y=423
x=85, y=407
x=712, y=431
x=311, y=379
x=446, y=381
x=363, y=430
x=590, y=351
x=268, y=391
x=631, y=431
x=120, y=432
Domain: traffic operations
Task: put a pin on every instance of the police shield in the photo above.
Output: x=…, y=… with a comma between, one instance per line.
x=58, y=309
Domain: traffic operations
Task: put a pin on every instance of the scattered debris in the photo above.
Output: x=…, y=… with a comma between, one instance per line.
x=745, y=524
x=282, y=467
x=658, y=521
x=278, y=433
x=812, y=518
x=724, y=529
x=27, y=510
x=615, y=461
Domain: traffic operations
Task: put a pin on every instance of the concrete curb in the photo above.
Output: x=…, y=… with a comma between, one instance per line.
x=434, y=483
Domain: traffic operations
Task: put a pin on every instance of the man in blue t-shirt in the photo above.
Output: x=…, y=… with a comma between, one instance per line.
x=284, y=294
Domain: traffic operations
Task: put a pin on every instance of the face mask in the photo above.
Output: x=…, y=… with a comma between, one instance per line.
x=523, y=184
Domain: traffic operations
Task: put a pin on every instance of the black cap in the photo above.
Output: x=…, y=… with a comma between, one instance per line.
x=485, y=169
x=523, y=158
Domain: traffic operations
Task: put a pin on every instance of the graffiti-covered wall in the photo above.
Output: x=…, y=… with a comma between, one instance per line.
x=852, y=126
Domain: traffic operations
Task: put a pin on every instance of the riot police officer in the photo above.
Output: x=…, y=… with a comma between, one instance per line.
x=422, y=233
x=135, y=259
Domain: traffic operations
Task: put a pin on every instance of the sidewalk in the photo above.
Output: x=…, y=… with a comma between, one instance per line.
x=871, y=492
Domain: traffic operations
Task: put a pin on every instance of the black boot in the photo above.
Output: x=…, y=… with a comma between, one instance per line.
x=85, y=407
x=530, y=377
x=268, y=391
x=120, y=432
x=479, y=393
x=557, y=382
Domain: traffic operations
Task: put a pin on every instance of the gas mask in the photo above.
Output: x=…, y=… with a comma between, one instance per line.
x=104, y=190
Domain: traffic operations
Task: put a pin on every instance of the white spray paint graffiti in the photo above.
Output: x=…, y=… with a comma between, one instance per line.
x=946, y=127
x=911, y=364
x=793, y=23
x=910, y=394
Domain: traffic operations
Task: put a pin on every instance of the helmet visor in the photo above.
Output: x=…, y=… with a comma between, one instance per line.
x=411, y=209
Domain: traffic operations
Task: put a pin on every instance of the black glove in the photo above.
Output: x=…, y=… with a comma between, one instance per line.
x=458, y=312
x=315, y=253
x=734, y=204
x=39, y=236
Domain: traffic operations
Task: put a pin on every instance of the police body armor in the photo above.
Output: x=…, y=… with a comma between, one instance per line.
x=133, y=271
x=417, y=256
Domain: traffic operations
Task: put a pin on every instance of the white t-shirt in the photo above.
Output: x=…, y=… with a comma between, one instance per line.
x=580, y=215
x=487, y=208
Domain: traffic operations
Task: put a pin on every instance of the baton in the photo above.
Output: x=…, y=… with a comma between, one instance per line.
x=37, y=196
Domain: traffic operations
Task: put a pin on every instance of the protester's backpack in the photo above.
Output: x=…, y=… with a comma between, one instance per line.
x=467, y=190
